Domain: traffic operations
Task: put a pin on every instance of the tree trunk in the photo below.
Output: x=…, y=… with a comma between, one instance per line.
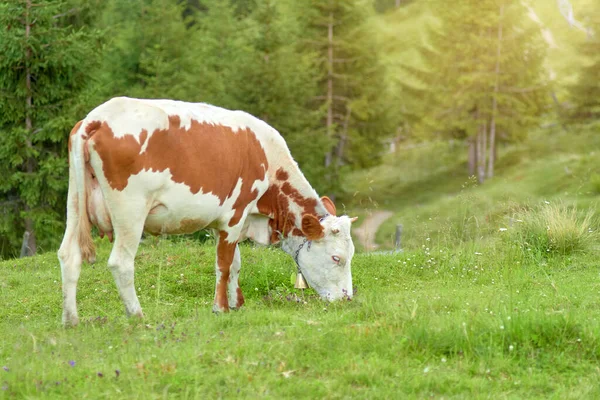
x=329, y=155
x=29, y=247
x=472, y=155
x=398, y=2
x=31, y=243
x=481, y=152
x=492, y=146
x=343, y=137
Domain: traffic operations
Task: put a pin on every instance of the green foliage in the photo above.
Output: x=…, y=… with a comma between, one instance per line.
x=585, y=92
x=142, y=40
x=352, y=91
x=595, y=182
x=418, y=71
x=461, y=55
x=44, y=64
x=389, y=5
x=279, y=84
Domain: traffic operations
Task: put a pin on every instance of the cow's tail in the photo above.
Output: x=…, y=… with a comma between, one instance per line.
x=77, y=168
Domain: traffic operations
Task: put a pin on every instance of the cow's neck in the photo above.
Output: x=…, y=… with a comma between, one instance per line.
x=287, y=200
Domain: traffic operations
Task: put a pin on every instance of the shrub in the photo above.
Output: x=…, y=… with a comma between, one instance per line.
x=554, y=228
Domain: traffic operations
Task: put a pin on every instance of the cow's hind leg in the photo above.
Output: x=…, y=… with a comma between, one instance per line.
x=69, y=256
x=236, y=298
x=128, y=227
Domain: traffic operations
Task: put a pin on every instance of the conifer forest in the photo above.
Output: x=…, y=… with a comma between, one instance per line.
x=348, y=83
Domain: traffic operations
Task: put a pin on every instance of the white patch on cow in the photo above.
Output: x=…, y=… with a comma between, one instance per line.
x=145, y=144
x=234, y=275
x=177, y=203
x=218, y=275
x=200, y=112
x=127, y=116
x=256, y=229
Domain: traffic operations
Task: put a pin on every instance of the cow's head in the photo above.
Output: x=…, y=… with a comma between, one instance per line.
x=325, y=253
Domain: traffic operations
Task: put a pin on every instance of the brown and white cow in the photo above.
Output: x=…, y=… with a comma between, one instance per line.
x=169, y=167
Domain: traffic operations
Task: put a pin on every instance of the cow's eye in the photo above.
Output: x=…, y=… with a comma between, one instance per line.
x=336, y=259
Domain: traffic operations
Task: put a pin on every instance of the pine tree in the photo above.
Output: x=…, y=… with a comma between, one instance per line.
x=279, y=83
x=219, y=50
x=44, y=64
x=585, y=93
x=484, y=76
x=147, y=50
x=352, y=84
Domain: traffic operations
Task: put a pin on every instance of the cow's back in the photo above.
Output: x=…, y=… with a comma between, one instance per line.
x=180, y=155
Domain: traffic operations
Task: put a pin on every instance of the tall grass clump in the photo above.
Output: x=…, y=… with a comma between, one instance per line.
x=554, y=229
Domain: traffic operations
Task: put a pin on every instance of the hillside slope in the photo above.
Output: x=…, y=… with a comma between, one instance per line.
x=430, y=194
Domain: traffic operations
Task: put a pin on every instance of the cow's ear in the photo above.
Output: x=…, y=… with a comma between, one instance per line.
x=328, y=204
x=311, y=227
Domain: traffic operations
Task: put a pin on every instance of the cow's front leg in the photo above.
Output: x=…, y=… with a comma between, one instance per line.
x=236, y=298
x=226, y=253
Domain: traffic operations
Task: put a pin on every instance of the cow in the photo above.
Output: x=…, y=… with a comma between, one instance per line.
x=172, y=167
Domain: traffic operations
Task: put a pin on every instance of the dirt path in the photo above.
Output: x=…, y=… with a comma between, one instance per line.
x=365, y=233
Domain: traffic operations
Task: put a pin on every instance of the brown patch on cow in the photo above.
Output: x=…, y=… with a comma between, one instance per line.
x=309, y=205
x=225, y=254
x=328, y=204
x=282, y=175
x=275, y=205
x=206, y=157
x=90, y=130
x=73, y=132
x=246, y=197
x=311, y=227
x=92, y=127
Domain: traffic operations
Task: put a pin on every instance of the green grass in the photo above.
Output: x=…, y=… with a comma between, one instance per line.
x=474, y=321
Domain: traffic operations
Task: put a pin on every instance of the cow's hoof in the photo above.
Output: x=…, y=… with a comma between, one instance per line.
x=136, y=314
x=70, y=319
x=219, y=310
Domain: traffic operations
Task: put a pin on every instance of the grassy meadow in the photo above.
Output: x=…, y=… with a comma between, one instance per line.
x=503, y=318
